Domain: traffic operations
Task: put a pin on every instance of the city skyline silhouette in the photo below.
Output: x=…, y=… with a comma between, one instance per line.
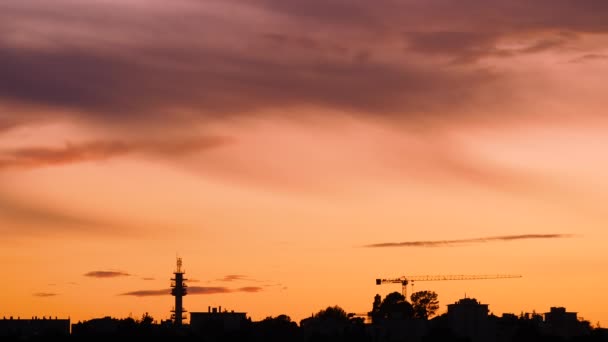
x=392, y=318
x=292, y=152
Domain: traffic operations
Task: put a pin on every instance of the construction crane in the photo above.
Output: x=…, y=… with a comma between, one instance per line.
x=405, y=280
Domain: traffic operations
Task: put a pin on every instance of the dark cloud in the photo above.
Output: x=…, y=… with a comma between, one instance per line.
x=44, y=294
x=208, y=290
x=250, y=289
x=106, y=274
x=118, y=88
x=450, y=243
x=479, y=15
x=148, y=293
x=112, y=62
x=463, y=46
x=544, y=45
x=100, y=150
x=65, y=79
x=468, y=47
x=464, y=31
x=194, y=290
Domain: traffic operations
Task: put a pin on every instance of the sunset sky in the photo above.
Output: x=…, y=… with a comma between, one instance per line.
x=291, y=152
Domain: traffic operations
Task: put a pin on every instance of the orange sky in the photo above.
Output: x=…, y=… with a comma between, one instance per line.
x=270, y=144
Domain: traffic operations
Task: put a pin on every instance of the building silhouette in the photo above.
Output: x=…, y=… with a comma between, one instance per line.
x=216, y=322
x=35, y=327
x=105, y=326
x=561, y=323
x=469, y=318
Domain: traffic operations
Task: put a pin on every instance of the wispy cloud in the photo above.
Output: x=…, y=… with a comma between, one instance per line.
x=28, y=218
x=214, y=290
x=238, y=277
x=590, y=57
x=148, y=278
x=32, y=157
x=147, y=293
x=44, y=294
x=43, y=156
x=40, y=218
x=249, y=289
x=460, y=242
x=244, y=278
x=106, y=274
x=233, y=277
x=194, y=290
x=203, y=290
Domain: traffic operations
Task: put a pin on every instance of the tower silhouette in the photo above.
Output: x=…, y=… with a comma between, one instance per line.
x=178, y=290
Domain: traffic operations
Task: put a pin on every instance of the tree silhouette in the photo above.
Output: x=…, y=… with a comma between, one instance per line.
x=332, y=312
x=375, y=313
x=146, y=319
x=424, y=303
x=280, y=328
x=393, y=297
x=395, y=306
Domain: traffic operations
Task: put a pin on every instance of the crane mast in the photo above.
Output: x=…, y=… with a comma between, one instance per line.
x=405, y=280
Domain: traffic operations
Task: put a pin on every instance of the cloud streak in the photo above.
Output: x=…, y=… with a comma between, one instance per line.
x=106, y=274
x=233, y=277
x=460, y=242
x=250, y=289
x=590, y=58
x=39, y=218
x=33, y=157
x=194, y=290
x=44, y=294
x=148, y=293
x=237, y=277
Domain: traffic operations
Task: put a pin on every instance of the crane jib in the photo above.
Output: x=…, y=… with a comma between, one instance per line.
x=405, y=280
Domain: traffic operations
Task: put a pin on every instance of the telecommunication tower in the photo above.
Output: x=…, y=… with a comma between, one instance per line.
x=178, y=290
